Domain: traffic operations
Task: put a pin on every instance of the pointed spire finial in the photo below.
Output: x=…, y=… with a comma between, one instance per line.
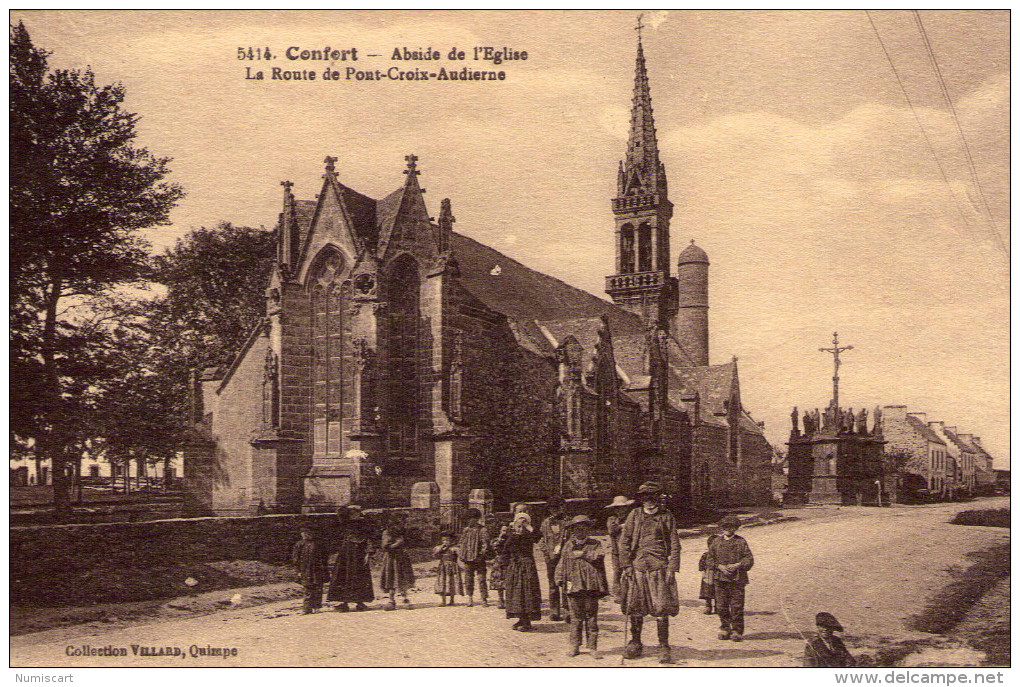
x=287, y=186
x=330, y=163
x=412, y=164
x=639, y=26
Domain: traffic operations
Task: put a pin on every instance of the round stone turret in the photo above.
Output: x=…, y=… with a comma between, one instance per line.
x=690, y=326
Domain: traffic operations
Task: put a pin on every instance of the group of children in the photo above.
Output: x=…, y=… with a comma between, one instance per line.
x=349, y=571
x=463, y=560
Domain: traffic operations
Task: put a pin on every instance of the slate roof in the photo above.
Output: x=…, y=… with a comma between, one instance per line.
x=960, y=443
x=521, y=293
x=542, y=310
x=362, y=211
x=304, y=210
x=924, y=430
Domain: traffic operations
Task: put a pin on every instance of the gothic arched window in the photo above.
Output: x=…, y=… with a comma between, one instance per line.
x=404, y=353
x=327, y=356
x=626, y=249
x=644, y=248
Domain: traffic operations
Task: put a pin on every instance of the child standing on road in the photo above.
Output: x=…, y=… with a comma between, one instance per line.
x=730, y=558
x=448, y=579
x=707, y=578
x=496, y=582
x=310, y=560
x=474, y=549
x=581, y=575
x=397, y=573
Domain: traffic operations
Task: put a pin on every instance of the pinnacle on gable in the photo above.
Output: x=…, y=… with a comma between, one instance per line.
x=330, y=163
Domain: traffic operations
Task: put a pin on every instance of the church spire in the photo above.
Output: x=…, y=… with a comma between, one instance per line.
x=643, y=173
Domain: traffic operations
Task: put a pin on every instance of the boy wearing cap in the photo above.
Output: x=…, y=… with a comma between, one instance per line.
x=650, y=558
x=551, y=542
x=581, y=574
x=827, y=650
x=474, y=550
x=730, y=558
x=310, y=559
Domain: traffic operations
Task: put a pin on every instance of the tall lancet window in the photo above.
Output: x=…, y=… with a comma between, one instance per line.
x=404, y=354
x=327, y=355
x=644, y=248
x=626, y=249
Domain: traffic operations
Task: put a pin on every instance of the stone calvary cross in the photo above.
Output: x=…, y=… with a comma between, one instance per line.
x=835, y=351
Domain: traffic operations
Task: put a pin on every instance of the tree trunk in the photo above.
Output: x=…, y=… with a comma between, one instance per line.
x=51, y=445
x=166, y=471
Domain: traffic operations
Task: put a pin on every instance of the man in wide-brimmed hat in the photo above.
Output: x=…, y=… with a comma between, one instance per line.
x=650, y=558
x=552, y=530
x=827, y=650
x=581, y=575
x=730, y=558
x=618, y=511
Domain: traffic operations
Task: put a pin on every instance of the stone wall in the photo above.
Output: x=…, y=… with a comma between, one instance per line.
x=58, y=555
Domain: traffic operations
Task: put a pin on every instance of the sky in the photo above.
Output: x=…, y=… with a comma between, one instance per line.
x=792, y=155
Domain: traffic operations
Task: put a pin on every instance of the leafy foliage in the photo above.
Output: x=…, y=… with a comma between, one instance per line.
x=79, y=192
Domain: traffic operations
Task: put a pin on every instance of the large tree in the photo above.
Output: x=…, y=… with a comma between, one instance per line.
x=211, y=293
x=80, y=191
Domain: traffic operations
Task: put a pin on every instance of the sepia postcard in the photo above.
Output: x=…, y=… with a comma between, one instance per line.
x=510, y=339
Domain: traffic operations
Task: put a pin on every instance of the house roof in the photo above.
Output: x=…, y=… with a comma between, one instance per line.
x=924, y=430
x=961, y=444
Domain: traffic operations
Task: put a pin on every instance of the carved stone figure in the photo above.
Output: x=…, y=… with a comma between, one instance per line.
x=862, y=421
x=809, y=423
x=848, y=421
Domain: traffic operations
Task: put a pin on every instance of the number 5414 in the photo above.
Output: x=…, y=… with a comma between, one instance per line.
x=254, y=54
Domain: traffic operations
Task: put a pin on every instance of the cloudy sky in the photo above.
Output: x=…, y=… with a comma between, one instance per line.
x=793, y=160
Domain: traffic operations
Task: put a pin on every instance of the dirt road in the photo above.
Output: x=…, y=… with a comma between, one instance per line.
x=871, y=567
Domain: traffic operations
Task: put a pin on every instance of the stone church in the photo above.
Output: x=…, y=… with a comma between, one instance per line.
x=399, y=355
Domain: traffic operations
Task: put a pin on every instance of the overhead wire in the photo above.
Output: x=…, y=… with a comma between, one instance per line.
x=917, y=118
x=959, y=128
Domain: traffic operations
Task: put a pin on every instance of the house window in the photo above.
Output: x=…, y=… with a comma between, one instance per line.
x=327, y=356
x=93, y=471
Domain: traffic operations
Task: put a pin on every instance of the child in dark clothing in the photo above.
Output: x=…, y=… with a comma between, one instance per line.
x=448, y=579
x=310, y=559
x=397, y=573
x=730, y=558
x=581, y=575
x=707, y=578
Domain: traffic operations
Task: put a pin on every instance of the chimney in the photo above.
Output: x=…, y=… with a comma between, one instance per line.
x=894, y=413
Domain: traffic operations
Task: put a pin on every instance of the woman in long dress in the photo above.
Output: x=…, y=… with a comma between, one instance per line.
x=351, y=578
x=523, y=596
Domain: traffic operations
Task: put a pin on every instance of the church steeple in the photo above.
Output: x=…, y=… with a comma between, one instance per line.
x=643, y=173
x=642, y=211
